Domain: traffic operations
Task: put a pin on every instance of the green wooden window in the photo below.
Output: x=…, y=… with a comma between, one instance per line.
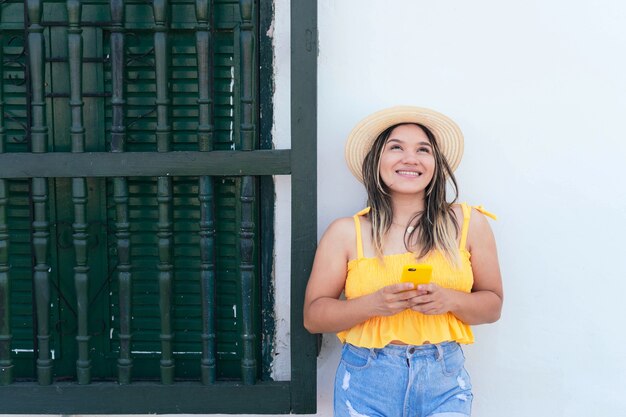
x=136, y=206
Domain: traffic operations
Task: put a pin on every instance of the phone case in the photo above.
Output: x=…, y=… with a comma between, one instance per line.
x=417, y=273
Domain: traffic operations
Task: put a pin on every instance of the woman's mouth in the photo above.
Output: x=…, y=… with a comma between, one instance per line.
x=409, y=173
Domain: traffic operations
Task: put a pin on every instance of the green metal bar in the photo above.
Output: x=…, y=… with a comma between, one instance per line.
x=79, y=191
x=247, y=272
x=6, y=363
x=206, y=191
x=303, y=197
x=164, y=189
x=120, y=195
x=40, y=225
x=248, y=75
x=145, y=164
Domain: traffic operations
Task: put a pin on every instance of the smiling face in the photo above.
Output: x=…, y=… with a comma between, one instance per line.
x=407, y=162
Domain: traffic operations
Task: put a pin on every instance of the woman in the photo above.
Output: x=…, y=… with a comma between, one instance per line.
x=401, y=353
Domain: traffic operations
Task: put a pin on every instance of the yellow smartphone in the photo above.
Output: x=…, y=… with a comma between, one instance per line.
x=417, y=274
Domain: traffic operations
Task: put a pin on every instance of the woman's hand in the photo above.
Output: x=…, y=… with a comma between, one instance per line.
x=433, y=299
x=393, y=299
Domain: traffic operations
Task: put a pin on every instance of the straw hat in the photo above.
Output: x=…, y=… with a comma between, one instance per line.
x=449, y=136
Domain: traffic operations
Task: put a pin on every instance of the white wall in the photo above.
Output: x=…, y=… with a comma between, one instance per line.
x=539, y=89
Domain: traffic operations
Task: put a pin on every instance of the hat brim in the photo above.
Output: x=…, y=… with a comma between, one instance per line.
x=447, y=133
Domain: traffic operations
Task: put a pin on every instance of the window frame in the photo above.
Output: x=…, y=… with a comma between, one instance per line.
x=299, y=395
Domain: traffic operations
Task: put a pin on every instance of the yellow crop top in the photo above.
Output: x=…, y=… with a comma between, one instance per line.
x=368, y=275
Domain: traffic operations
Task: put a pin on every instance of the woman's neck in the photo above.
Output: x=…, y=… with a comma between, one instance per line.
x=405, y=208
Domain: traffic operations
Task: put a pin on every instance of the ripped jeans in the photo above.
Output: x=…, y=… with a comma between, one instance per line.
x=403, y=380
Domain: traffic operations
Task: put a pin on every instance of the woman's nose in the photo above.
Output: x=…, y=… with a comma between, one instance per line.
x=409, y=158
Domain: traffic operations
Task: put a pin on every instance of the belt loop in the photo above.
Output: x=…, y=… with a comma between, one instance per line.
x=373, y=353
x=439, y=352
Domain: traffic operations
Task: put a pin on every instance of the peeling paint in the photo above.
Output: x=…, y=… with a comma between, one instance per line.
x=353, y=412
x=16, y=351
x=270, y=31
x=346, y=381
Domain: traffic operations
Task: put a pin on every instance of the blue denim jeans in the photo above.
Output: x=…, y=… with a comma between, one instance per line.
x=403, y=380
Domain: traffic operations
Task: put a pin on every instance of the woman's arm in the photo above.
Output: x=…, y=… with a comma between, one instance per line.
x=324, y=312
x=484, y=303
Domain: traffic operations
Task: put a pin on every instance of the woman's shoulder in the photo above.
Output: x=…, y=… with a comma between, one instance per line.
x=341, y=225
x=340, y=236
x=347, y=225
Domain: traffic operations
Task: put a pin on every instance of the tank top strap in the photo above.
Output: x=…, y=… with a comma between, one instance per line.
x=485, y=212
x=357, y=226
x=467, y=210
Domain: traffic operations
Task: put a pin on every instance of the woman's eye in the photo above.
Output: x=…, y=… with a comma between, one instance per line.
x=423, y=149
x=393, y=147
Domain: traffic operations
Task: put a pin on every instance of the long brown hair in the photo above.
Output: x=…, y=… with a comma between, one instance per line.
x=434, y=228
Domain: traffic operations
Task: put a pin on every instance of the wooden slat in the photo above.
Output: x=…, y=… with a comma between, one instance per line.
x=146, y=398
x=303, y=197
x=137, y=164
x=247, y=76
x=120, y=194
x=39, y=195
x=247, y=141
x=79, y=191
x=163, y=133
x=247, y=272
x=206, y=191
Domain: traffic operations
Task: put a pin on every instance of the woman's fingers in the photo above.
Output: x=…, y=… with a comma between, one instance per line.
x=396, y=298
x=432, y=300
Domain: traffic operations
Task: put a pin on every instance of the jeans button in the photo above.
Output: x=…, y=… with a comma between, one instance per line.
x=411, y=350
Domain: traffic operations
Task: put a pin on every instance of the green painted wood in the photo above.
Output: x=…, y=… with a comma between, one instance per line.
x=16, y=111
x=79, y=191
x=124, y=278
x=41, y=234
x=248, y=69
x=163, y=132
x=206, y=191
x=266, y=190
x=117, y=45
x=120, y=195
x=135, y=229
x=6, y=362
x=247, y=141
x=65, y=305
x=147, y=398
x=247, y=273
x=208, y=362
x=303, y=197
x=21, y=284
x=130, y=164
